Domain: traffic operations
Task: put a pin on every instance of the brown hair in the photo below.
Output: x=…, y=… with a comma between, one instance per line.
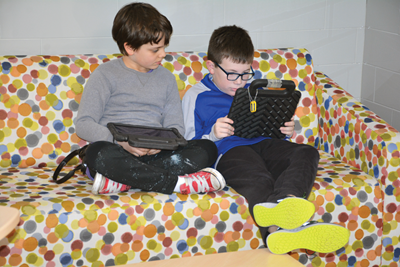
x=230, y=42
x=138, y=24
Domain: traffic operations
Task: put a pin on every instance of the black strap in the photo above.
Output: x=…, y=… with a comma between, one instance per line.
x=64, y=162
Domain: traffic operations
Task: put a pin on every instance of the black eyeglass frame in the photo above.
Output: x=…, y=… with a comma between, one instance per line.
x=238, y=75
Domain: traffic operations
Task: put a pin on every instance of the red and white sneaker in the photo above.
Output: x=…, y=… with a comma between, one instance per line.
x=103, y=185
x=203, y=181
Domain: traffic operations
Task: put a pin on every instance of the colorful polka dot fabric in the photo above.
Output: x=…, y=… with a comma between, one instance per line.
x=357, y=184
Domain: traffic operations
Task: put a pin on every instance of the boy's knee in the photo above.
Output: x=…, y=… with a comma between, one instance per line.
x=308, y=152
x=314, y=152
x=206, y=147
x=96, y=147
x=99, y=148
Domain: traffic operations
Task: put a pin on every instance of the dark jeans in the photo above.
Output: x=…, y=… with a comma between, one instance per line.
x=270, y=170
x=158, y=173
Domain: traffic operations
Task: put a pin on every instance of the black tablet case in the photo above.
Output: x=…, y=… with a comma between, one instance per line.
x=147, y=137
x=274, y=108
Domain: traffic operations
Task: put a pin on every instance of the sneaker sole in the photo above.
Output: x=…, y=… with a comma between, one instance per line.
x=320, y=237
x=290, y=213
x=218, y=175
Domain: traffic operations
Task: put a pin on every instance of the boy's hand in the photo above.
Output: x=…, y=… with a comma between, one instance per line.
x=288, y=129
x=223, y=127
x=138, y=151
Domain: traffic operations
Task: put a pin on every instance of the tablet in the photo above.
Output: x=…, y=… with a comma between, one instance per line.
x=147, y=137
x=263, y=108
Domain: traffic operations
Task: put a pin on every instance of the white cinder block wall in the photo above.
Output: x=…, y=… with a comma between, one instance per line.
x=381, y=70
x=333, y=31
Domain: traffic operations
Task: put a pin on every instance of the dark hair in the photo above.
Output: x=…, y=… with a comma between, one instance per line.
x=230, y=42
x=138, y=24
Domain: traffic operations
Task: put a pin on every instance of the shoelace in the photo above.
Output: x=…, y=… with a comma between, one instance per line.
x=200, y=181
x=113, y=187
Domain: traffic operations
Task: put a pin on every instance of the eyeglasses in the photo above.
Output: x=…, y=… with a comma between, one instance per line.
x=231, y=76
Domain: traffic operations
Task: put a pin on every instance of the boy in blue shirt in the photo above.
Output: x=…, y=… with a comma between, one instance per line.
x=275, y=176
x=135, y=89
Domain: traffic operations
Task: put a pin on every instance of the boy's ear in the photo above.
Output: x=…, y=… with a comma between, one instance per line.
x=210, y=66
x=128, y=49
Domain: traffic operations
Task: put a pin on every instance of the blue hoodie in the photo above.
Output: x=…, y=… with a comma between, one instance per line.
x=202, y=105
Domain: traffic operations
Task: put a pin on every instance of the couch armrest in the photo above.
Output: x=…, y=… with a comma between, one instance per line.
x=350, y=131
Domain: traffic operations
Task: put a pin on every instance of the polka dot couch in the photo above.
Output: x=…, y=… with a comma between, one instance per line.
x=357, y=184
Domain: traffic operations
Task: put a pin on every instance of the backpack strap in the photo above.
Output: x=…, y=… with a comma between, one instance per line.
x=81, y=167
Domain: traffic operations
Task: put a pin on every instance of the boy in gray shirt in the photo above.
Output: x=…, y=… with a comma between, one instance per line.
x=135, y=89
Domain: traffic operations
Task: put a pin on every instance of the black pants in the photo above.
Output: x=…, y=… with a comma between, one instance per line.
x=158, y=173
x=269, y=171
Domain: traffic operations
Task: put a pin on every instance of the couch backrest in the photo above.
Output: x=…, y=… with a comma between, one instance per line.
x=40, y=97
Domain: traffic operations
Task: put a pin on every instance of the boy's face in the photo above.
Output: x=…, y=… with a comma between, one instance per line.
x=146, y=57
x=220, y=78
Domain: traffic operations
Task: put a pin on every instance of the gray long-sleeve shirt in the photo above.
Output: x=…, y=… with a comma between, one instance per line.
x=116, y=93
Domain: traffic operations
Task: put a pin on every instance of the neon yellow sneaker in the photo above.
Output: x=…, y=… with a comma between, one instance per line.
x=289, y=213
x=318, y=237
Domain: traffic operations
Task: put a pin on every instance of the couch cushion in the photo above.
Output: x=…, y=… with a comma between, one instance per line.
x=66, y=223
